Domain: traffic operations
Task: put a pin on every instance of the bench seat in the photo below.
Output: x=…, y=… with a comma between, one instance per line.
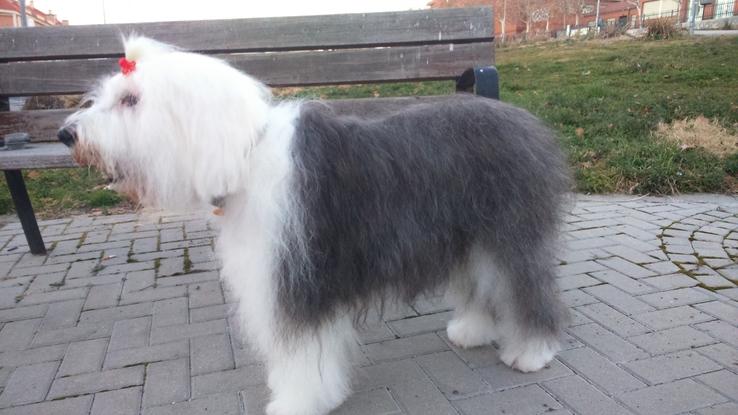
x=37, y=156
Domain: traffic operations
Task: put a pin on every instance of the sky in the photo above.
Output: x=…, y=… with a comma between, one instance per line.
x=129, y=11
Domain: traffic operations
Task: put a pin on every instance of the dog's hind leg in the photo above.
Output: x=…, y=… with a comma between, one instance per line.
x=529, y=310
x=473, y=323
x=309, y=374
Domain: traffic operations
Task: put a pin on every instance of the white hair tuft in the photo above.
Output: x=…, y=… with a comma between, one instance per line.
x=140, y=48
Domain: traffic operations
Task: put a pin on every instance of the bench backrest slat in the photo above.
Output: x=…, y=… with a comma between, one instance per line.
x=256, y=35
x=47, y=121
x=342, y=66
x=39, y=124
x=283, y=51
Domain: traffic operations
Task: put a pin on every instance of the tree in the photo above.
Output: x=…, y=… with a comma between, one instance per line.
x=526, y=10
x=578, y=6
x=542, y=13
x=445, y=4
x=500, y=8
x=565, y=7
x=637, y=4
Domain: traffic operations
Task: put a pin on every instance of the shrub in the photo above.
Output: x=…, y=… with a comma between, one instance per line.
x=731, y=164
x=46, y=102
x=612, y=30
x=661, y=28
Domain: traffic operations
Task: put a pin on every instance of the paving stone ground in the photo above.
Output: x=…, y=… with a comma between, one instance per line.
x=126, y=315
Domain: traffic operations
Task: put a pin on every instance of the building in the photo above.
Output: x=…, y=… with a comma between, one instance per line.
x=634, y=13
x=10, y=15
x=662, y=8
x=679, y=9
x=524, y=18
x=613, y=13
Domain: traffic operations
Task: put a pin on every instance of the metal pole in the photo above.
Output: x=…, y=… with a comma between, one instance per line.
x=504, y=19
x=25, y=211
x=17, y=186
x=693, y=16
x=24, y=18
x=597, y=18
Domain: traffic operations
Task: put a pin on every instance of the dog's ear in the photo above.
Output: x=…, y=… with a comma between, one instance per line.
x=139, y=48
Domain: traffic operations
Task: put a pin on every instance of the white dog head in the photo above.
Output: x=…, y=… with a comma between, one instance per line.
x=172, y=129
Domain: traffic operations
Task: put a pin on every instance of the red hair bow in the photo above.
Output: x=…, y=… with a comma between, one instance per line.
x=126, y=66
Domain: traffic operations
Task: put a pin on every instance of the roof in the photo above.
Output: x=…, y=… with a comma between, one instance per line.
x=610, y=6
x=14, y=6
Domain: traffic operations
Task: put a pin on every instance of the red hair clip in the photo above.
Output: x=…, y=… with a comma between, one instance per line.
x=126, y=66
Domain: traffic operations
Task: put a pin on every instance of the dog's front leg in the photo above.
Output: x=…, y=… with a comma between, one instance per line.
x=309, y=372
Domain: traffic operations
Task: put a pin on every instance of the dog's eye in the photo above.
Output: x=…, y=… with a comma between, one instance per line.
x=129, y=100
x=86, y=103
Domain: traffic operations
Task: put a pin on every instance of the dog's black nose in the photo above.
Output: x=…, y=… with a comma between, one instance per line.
x=68, y=136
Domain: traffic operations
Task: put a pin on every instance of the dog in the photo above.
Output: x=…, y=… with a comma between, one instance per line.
x=326, y=216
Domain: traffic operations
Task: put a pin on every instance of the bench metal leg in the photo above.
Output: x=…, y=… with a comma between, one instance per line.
x=483, y=81
x=25, y=211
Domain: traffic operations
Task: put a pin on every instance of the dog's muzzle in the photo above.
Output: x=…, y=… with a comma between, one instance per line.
x=68, y=136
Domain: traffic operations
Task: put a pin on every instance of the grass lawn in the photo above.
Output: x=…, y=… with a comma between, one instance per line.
x=616, y=93
x=604, y=98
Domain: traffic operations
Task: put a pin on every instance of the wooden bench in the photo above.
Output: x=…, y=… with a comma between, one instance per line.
x=442, y=44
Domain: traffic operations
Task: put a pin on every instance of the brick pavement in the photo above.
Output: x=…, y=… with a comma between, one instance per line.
x=125, y=315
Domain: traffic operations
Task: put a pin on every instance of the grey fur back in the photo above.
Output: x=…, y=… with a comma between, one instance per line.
x=388, y=206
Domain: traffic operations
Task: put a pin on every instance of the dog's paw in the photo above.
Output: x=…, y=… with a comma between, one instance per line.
x=283, y=407
x=471, y=331
x=529, y=356
x=275, y=408
x=300, y=405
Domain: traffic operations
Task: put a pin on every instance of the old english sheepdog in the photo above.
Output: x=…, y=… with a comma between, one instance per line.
x=325, y=215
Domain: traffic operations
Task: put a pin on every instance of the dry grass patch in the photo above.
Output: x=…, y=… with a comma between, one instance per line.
x=700, y=132
x=661, y=28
